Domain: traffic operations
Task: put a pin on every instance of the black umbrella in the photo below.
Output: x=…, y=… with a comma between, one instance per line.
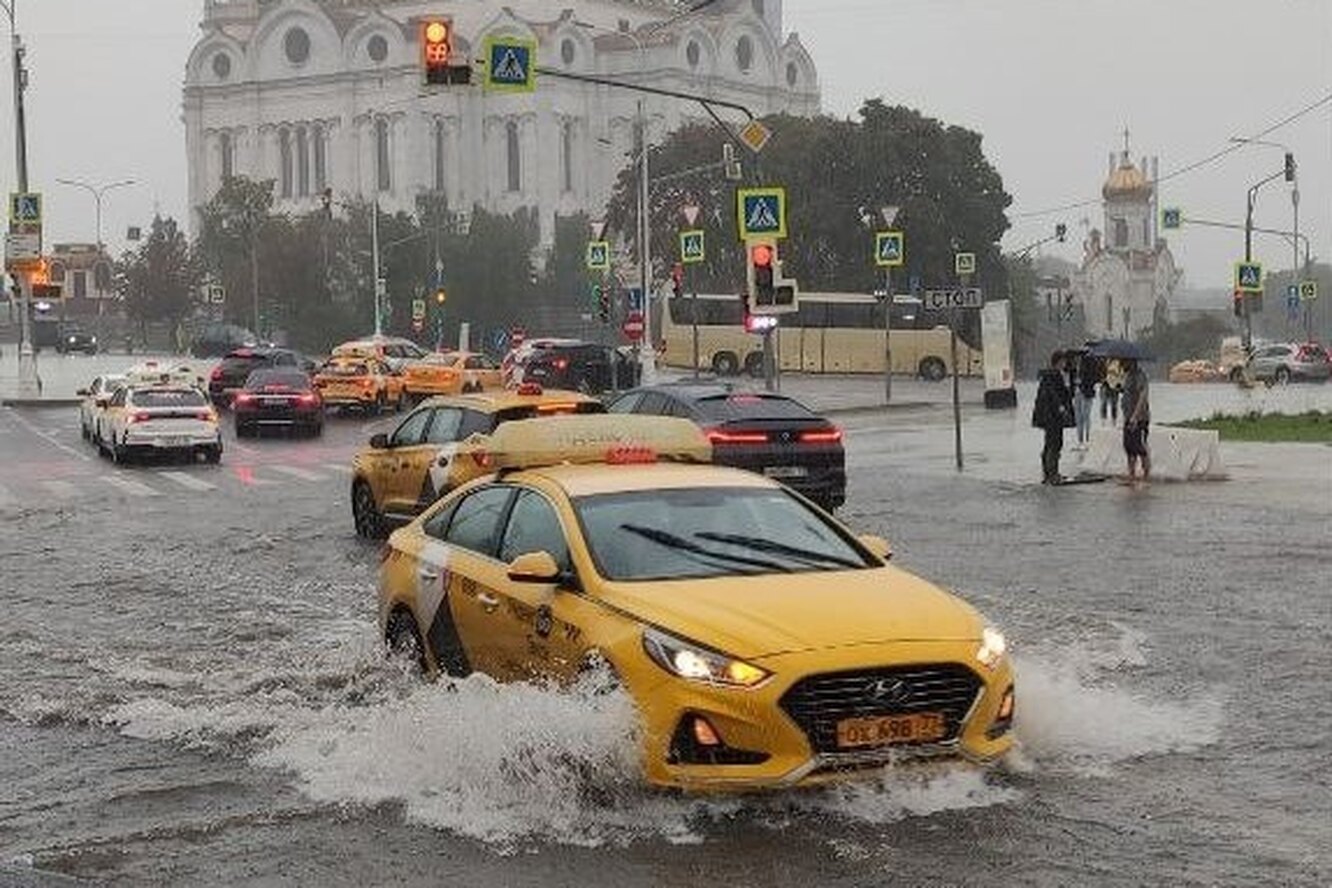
x=1121, y=349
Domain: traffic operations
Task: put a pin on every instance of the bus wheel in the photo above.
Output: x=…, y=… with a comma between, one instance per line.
x=725, y=364
x=933, y=369
x=754, y=364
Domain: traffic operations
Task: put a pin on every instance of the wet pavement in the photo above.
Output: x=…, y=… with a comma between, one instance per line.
x=191, y=690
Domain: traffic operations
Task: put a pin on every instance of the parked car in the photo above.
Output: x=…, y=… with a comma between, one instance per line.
x=1289, y=362
x=229, y=376
x=73, y=339
x=766, y=433
x=217, y=340
x=581, y=367
x=278, y=397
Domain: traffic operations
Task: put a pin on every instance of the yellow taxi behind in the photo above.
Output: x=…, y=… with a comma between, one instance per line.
x=440, y=445
x=451, y=373
x=763, y=644
x=368, y=384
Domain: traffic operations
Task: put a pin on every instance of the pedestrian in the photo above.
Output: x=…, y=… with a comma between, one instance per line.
x=1084, y=381
x=1137, y=418
x=1111, y=383
x=1053, y=412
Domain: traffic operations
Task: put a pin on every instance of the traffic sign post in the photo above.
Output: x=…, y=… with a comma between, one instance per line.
x=755, y=136
x=25, y=209
x=1171, y=218
x=889, y=249
x=955, y=300
x=418, y=309
x=598, y=256
x=953, y=297
x=1308, y=291
x=964, y=264
x=510, y=64
x=761, y=213
x=633, y=326
x=1249, y=277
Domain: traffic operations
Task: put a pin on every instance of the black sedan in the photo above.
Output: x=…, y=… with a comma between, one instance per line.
x=230, y=374
x=278, y=398
x=75, y=340
x=581, y=367
x=766, y=433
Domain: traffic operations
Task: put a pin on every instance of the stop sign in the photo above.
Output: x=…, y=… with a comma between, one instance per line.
x=633, y=326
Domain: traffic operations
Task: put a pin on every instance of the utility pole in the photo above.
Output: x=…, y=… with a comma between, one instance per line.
x=374, y=258
x=29, y=386
x=647, y=351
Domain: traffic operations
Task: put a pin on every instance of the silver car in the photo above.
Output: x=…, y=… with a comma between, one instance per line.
x=1290, y=361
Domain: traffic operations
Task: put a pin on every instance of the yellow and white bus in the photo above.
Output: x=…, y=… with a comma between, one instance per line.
x=831, y=333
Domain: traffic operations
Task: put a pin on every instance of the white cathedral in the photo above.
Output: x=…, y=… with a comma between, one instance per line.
x=317, y=94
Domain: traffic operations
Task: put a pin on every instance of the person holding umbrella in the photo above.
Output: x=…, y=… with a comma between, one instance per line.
x=1052, y=413
x=1134, y=402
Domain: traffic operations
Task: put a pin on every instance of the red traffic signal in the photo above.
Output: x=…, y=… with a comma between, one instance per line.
x=760, y=255
x=437, y=53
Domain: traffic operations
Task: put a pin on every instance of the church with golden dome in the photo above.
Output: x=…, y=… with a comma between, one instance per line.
x=1128, y=274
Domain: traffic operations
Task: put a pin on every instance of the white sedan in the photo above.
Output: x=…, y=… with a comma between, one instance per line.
x=159, y=419
x=95, y=398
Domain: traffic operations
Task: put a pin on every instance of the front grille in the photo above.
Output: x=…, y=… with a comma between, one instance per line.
x=819, y=702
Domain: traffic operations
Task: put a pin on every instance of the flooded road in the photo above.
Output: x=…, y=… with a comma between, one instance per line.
x=192, y=691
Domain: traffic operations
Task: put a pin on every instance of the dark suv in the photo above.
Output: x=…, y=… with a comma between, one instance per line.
x=769, y=434
x=72, y=339
x=229, y=376
x=217, y=340
x=582, y=367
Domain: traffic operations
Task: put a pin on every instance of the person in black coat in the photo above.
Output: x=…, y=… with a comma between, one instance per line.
x=1053, y=412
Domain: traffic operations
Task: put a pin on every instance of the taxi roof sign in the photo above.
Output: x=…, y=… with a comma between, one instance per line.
x=595, y=439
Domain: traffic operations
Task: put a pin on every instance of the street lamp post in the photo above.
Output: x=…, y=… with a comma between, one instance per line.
x=29, y=385
x=1291, y=175
x=1248, y=253
x=97, y=191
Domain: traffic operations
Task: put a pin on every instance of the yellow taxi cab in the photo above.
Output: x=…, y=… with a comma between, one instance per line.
x=392, y=350
x=438, y=446
x=366, y=383
x=763, y=643
x=451, y=373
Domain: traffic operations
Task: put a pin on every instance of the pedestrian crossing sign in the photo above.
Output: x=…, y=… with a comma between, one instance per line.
x=692, y=250
x=25, y=209
x=1249, y=277
x=889, y=248
x=510, y=64
x=1308, y=291
x=598, y=256
x=761, y=213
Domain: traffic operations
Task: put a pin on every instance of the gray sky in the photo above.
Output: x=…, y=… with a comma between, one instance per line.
x=1050, y=83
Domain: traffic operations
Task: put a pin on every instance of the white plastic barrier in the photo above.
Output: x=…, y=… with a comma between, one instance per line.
x=1177, y=454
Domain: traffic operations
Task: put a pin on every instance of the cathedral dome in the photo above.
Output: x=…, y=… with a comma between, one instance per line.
x=1126, y=180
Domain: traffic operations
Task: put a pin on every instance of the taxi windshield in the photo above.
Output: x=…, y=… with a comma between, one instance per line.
x=695, y=533
x=168, y=398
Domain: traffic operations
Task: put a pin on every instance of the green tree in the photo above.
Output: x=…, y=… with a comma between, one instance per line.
x=160, y=280
x=236, y=228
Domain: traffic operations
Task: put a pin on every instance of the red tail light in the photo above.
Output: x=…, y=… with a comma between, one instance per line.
x=561, y=363
x=717, y=437
x=216, y=374
x=308, y=398
x=140, y=416
x=825, y=436
x=243, y=398
x=530, y=389
x=204, y=416
x=481, y=458
x=367, y=382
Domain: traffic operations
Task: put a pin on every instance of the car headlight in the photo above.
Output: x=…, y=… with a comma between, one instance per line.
x=992, y=647
x=689, y=661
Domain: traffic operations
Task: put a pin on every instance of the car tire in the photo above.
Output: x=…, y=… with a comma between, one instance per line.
x=932, y=369
x=242, y=430
x=400, y=403
x=1281, y=375
x=754, y=364
x=365, y=514
x=213, y=455
x=379, y=406
x=725, y=364
x=402, y=638
x=317, y=430
x=118, y=453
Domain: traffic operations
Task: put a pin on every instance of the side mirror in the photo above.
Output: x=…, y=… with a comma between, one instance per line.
x=535, y=567
x=380, y=441
x=102, y=400
x=877, y=546
x=83, y=393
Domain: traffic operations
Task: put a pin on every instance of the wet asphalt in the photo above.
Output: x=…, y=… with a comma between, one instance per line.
x=191, y=691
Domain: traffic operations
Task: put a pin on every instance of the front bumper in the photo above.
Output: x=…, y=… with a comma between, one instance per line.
x=784, y=753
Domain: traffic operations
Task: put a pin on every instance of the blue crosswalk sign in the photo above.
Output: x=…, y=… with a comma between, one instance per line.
x=889, y=248
x=761, y=212
x=1249, y=277
x=510, y=64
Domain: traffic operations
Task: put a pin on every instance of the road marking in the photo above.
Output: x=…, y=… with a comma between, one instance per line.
x=338, y=468
x=186, y=480
x=133, y=488
x=297, y=472
x=77, y=454
x=61, y=489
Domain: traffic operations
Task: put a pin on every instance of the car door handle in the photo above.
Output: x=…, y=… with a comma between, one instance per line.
x=427, y=574
x=488, y=601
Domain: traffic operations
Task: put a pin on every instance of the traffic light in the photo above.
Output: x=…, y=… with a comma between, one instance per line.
x=1061, y=232
x=1290, y=167
x=437, y=54
x=441, y=296
x=762, y=274
x=677, y=280
x=603, y=304
x=1239, y=303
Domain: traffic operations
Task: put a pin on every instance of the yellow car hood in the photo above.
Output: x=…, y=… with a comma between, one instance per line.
x=752, y=617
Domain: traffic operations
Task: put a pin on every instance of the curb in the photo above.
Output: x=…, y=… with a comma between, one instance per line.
x=40, y=402
x=895, y=407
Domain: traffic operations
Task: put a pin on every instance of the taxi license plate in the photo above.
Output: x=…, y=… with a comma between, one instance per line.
x=172, y=442
x=919, y=727
x=785, y=471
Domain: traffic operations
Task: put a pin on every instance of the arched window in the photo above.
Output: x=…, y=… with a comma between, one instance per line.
x=514, y=147
x=320, y=159
x=439, y=155
x=226, y=150
x=383, y=158
x=284, y=156
x=1147, y=234
x=566, y=156
x=1121, y=233
x=302, y=163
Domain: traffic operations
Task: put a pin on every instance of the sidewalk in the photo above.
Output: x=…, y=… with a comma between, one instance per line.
x=63, y=375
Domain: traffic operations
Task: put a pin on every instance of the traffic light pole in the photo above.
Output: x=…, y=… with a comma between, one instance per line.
x=1248, y=253
x=29, y=385
x=887, y=335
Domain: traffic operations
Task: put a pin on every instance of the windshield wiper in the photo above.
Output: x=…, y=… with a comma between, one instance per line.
x=761, y=545
x=671, y=541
